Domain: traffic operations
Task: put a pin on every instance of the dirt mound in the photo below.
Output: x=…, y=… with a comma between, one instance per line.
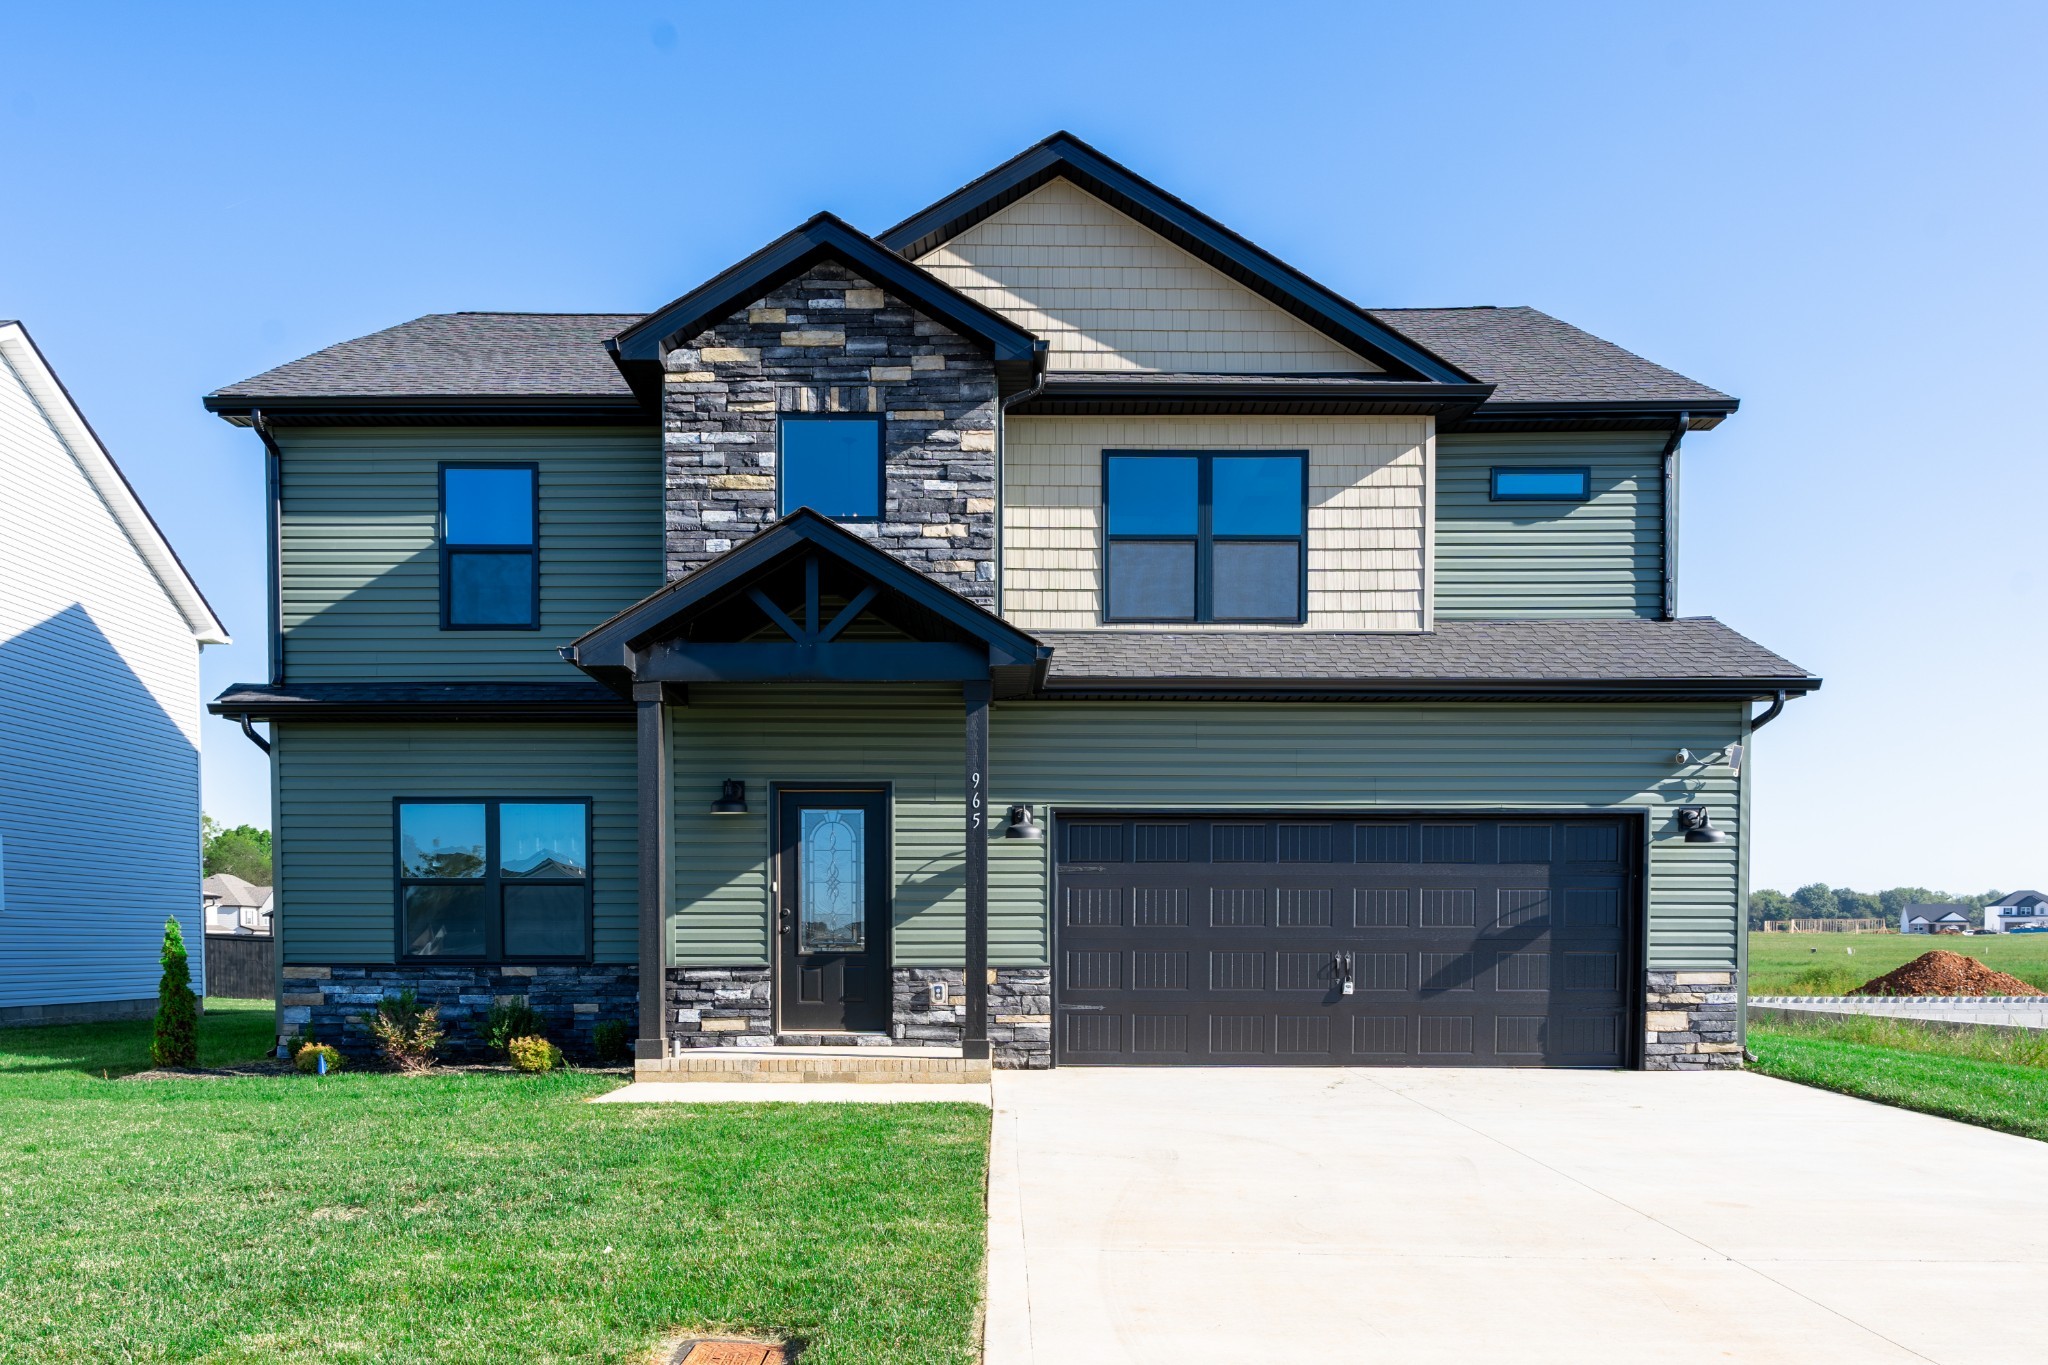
x=1944, y=973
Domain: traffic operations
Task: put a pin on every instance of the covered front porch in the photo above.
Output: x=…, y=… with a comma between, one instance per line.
x=815, y=827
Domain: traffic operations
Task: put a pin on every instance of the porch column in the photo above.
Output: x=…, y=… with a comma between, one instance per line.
x=657, y=832
x=974, y=1042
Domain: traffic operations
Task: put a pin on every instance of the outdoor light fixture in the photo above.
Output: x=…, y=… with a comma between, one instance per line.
x=732, y=800
x=1699, y=829
x=1021, y=825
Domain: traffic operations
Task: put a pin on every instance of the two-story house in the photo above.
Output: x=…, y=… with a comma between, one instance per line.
x=1052, y=627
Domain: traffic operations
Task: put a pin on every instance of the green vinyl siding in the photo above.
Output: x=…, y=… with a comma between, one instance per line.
x=1474, y=757
x=911, y=738
x=335, y=785
x=1603, y=557
x=362, y=594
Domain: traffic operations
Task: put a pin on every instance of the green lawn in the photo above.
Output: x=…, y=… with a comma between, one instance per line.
x=1833, y=964
x=1980, y=1076
x=461, y=1218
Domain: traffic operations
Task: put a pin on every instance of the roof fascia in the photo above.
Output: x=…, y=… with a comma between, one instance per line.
x=386, y=410
x=824, y=236
x=1070, y=394
x=1065, y=156
x=1659, y=415
x=21, y=354
x=1443, y=689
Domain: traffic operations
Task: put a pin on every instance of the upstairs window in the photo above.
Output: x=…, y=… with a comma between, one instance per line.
x=494, y=880
x=1206, y=537
x=832, y=465
x=1541, y=485
x=490, y=547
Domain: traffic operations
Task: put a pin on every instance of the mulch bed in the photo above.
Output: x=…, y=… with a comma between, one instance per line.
x=275, y=1068
x=1945, y=973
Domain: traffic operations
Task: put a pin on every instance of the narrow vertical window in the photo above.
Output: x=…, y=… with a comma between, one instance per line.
x=832, y=465
x=490, y=547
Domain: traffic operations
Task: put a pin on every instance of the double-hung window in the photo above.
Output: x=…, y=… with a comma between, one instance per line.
x=490, y=547
x=493, y=880
x=832, y=465
x=1200, y=536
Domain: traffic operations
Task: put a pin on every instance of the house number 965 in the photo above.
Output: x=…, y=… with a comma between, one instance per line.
x=974, y=801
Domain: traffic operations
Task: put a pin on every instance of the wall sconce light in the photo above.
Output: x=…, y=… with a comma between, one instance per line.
x=1698, y=827
x=1021, y=825
x=732, y=800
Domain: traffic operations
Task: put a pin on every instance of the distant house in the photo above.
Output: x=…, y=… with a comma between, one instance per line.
x=2020, y=910
x=100, y=631
x=1940, y=917
x=233, y=906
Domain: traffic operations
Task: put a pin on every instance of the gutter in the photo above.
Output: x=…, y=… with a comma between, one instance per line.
x=1771, y=712
x=1670, y=607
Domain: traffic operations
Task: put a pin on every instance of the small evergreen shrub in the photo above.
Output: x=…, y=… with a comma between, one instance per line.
x=307, y=1059
x=612, y=1040
x=533, y=1054
x=511, y=1019
x=176, y=1040
x=410, y=1037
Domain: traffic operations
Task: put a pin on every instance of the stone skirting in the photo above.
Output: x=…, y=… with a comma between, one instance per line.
x=1691, y=1021
x=572, y=1000
x=734, y=1007
x=82, y=1012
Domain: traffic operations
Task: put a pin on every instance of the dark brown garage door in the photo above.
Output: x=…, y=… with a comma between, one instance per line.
x=1432, y=942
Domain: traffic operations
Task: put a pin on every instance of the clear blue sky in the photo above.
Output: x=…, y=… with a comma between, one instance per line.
x=1834, y=212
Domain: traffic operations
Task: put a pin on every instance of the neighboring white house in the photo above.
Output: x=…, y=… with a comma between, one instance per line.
x=100, y=630
x=1940, y=917
x=234, y=906
x=2020, y=910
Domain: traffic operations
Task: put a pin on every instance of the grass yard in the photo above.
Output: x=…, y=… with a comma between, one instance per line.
x=1979, y=1076
x=1823, y=964
x=461, y=1218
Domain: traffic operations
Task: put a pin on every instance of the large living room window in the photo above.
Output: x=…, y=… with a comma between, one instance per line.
x=1197, y=536
x=490, y=547
x=494, y=880
x=832, y=465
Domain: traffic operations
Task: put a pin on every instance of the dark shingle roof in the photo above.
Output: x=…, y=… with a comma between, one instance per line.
x=1534, y=358
x=459, y=355
x=1574, y=655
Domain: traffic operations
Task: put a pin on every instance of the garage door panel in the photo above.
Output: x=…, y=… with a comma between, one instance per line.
x=1219, y=942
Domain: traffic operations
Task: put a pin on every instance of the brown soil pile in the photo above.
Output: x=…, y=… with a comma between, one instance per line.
x=1944, y=973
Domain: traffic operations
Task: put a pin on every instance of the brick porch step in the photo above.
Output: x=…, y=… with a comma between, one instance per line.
x=828, y=1064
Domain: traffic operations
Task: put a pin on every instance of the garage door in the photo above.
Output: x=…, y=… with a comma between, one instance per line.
x=1433, y=942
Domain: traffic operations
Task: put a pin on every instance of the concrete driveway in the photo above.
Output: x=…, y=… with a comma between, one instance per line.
x=1415, y=1217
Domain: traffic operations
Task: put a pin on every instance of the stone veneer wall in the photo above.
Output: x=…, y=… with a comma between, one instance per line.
x=828, y=342
x=1692, y=1021
x=572, y=999
x=734, y=1007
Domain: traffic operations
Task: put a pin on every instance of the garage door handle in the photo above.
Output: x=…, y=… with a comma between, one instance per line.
x=1346, y=973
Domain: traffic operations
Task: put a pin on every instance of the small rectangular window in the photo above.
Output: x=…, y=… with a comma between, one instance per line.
x=1541, y=485
x=493, y=880
x=1193, y=536
x=832, y=465
x=490, y=547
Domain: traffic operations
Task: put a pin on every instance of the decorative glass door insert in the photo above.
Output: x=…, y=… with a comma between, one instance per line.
x=832, y=913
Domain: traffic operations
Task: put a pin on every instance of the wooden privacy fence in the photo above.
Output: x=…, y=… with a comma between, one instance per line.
x=241, y=966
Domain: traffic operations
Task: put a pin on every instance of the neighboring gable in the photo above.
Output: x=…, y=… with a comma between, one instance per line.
x=1110, y=294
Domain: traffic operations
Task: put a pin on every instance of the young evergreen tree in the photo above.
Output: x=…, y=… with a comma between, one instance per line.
x=177, y=1010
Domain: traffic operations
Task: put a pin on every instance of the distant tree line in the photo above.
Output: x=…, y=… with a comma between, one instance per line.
x=1818, y=900
x=243, y=850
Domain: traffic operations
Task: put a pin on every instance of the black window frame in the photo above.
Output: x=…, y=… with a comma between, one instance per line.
x=531, y=549
x=1205, y=540
x=1584, y=472
x=493, y=880
x=881, y=423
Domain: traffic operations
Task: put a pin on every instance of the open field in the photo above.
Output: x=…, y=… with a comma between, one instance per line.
x=461, y=1218
x=1833, y=964
x=1979, y=1076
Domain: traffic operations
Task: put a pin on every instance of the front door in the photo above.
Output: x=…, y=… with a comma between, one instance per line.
x=832, y=878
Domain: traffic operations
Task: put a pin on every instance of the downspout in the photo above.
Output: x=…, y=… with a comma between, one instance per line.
x=1039, y=351
x=1771, y=713
x=1743, y=779
x=273, y=484
x=254, y=738
x=1670, y=612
